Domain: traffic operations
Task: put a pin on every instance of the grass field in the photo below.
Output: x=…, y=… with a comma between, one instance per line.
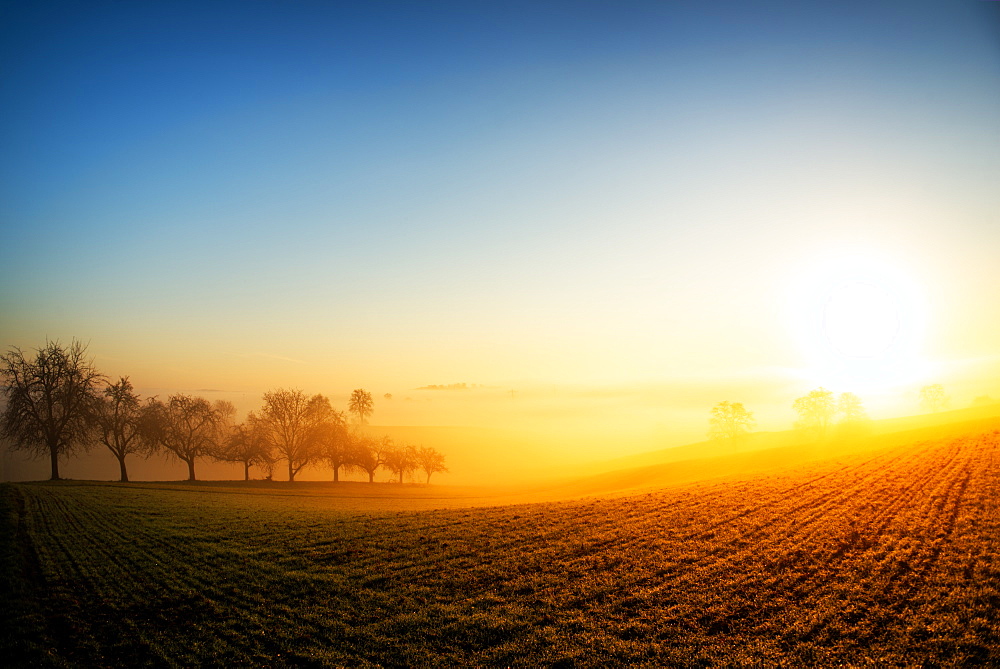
x=890, y=557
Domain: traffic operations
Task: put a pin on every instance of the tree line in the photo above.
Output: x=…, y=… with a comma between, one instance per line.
x=820, y=411
x=58, y=403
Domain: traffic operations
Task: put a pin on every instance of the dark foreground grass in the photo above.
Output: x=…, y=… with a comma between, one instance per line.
x=891, y=559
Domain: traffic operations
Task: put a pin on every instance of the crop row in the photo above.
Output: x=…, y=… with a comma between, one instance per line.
x=888, y=558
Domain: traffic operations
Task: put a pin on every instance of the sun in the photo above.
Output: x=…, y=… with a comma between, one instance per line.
x=860, y=322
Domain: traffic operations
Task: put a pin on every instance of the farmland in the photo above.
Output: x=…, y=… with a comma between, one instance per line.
x=889, y=557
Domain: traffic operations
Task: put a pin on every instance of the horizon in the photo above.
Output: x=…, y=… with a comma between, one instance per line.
x=588, y=224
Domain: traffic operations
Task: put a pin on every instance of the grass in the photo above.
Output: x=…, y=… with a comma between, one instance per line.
x=887, y=558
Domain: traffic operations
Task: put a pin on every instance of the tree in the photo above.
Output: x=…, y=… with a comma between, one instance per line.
x=370, y=454
x=48, y=400
x=933, y=398
x=361, y=404
x=430, y=461
x=816, y=411
x=185, y=426
x=851, y=409
x=116, y=420
x=730, y=420
x=335, y=443
x=290, y=421
x=401, y=459
x=248, y=445
x=225, y=421
x=853, y=417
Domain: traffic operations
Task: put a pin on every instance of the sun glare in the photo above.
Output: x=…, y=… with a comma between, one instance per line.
x=860, y=322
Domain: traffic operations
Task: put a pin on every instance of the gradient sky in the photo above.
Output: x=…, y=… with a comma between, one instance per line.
x=615, y=208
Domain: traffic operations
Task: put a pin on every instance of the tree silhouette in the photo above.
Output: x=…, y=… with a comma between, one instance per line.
x=730, y=420
x=430, y=461
x=335, y=443
x=370, y=454
x=816, y=411
x=361, y=404
x=853, y=417
x=933, y=398
x=290, y=421
x=116, y=420
x=401, y=459
x=248, y=445
x=48, y=400
x=185, y=426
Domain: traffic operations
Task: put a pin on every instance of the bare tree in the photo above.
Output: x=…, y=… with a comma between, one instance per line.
x=361, y=404
x=401, y=459
x=335, y=443
x=370, y=454
x=816, y=411
x=185, y=426
x=430, y=461
x=116, y=418
x=290, y=420
x=225, y=420
x=48, y=400
x=730, y=420
x=933, y=398
x=854, y=419
x=248, y=445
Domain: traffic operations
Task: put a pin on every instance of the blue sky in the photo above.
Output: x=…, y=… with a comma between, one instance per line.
x=406, y=194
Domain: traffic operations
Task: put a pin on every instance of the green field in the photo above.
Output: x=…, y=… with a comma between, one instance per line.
x=889, y=557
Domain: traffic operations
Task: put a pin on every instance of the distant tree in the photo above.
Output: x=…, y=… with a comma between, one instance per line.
x=290, y=421
x=854, y=419
x=983, y=401
x=401, y=459
x=361, y=404
x=370, y=454
x=430, y=461
x=116, y=419
x=387, y=396
x=248, y=445
x=851, y=409
x=730, y=420
x=225, y=419
x=48, y=399
x=185, y=426
x=933, y=398
x=816, y=411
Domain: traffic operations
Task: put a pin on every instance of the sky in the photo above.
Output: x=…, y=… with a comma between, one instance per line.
x=623, y=212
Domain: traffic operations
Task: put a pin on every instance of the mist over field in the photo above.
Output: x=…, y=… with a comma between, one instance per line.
x=499, y=334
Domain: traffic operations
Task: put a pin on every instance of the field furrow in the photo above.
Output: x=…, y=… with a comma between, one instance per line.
x=891, y=558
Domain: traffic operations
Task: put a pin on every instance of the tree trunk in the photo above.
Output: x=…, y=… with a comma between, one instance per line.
x=246, y=471
x=190, y=464
x=291, y=472
x=336, y=473
x=428, y=478
x=371, y=477
x=54, y=455
x=121, y=465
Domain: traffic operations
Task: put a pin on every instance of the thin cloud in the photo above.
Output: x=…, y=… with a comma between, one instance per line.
x=452, y=386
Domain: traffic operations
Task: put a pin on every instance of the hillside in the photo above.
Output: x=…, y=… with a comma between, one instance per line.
x=768, y=450
x=890, y=557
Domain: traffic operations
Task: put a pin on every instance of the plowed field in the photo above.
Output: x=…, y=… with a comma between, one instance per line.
x=891, y=558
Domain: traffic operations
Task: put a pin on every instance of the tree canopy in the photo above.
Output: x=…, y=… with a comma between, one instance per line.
x=48, y=399
x=730, y=420
x=116, y=418
x=361, y=404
